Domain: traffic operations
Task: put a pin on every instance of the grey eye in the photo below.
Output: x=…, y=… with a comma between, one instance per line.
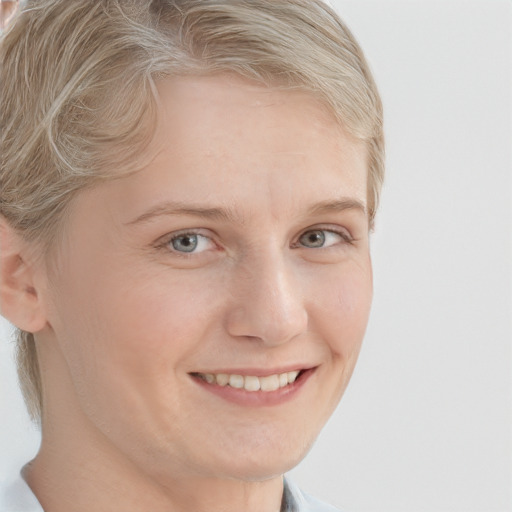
x=322, y=238
x=185, y=243
x=313, y=239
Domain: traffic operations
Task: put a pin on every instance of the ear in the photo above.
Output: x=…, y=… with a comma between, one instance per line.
x=20, y=300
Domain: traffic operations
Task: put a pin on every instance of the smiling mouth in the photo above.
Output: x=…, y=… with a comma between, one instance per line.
x=251, y=383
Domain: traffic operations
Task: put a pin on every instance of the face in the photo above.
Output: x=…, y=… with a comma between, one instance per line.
x=209, y=309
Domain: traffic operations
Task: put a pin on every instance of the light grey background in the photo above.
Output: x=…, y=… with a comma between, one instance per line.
x=426, y=422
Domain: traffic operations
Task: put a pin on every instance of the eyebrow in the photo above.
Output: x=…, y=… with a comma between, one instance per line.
x=176, y=208
x=338, y=205
x=231, y=215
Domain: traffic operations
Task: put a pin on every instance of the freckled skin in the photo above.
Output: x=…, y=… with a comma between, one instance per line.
x=129, y=317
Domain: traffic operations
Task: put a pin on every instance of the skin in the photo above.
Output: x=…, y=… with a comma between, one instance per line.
x=128, y=318
x=7, y=11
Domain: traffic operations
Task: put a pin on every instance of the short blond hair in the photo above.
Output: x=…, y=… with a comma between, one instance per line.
x=77, y=95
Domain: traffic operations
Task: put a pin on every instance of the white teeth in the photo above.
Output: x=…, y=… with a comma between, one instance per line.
x=236, y=381
x=292, y=376
x=270, y=383
x=222, y=379
x=250, y=382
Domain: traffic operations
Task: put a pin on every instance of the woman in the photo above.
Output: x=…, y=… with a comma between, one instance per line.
x=187, y=189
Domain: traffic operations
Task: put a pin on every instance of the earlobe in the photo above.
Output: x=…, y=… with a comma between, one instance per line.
x=20, y=300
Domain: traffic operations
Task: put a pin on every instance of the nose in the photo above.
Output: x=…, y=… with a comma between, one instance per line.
x=268, y=303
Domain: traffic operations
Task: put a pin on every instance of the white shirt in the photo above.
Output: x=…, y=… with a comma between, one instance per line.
x=17, y=497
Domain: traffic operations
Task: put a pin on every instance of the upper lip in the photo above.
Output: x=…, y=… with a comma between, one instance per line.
x=259, y=372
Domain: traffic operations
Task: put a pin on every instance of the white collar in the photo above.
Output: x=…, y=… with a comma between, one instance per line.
x=294, y=500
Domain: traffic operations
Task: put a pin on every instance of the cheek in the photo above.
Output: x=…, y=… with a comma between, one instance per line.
x=150, y=323
x=343, y=308
x=126, y=335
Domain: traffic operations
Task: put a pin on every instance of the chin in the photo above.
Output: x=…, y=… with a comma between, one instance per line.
x=259, y=471
x=260, y=462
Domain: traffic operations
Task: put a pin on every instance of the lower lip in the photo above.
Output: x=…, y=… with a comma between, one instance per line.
x=257, y=398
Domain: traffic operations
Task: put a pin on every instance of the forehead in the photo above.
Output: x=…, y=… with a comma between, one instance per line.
x=224, y=141
x=238, y=125
x=243, y=108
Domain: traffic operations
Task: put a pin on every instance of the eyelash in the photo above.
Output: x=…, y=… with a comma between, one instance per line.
x=165, y=243
x=344, y=234
x=346, y=238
